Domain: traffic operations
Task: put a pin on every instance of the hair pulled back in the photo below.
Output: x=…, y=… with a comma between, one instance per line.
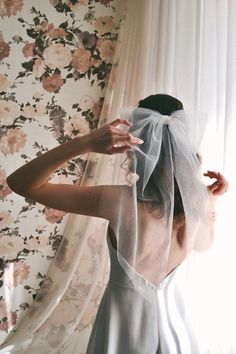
x=164, y=104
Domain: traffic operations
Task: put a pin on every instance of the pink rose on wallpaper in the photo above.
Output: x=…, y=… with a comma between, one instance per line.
x=57, y=32
x=96, y=109
x=76, y=126
x=9, y=110
x=5, y=219
x=10, y=246
x=57, y=56
x=3, y=309
x=81, y=60
x=4, y=189
x=10, y=7
x=53, y=216
x=46, y=26
x=96, y=62
x=16, y=273
x=53, y=83
x=39, y=67
x=4, y=83
x=104, y=24
x=107, y=49
x=11, y=321
x=28, y=50
x=86, y=102
x=4, y=50
x=13, y=141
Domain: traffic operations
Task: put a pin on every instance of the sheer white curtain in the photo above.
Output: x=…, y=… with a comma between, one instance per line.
x=188, y=49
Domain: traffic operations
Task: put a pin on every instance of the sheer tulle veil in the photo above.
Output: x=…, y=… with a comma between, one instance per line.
x=160, y=183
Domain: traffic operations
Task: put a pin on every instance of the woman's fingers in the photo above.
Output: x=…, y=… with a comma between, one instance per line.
x=211, y=174
x=109, y=138
x=120, y=121
x=127, y=138
x=220, y=186
x=119, y=149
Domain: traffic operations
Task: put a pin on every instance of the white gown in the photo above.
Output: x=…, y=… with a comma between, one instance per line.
x=126, y=323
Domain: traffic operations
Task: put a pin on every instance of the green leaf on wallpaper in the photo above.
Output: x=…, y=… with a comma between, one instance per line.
x=36, y=21
x=40, y=276
x=2, y=264
x=33, y=10
x=24, y=305
x=28, y=65
x=25, y=250
x=40, y=43
x=101, y=75
x=69, y=36
x=21, y=74
x=102, y=84
x=1, y=283
x=32, y=33
x=64, y=25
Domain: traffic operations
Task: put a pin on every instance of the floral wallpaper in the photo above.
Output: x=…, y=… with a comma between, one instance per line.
x=55, y=61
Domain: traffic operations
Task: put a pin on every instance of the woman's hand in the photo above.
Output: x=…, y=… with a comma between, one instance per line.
x=111, y=140
x=220, y=186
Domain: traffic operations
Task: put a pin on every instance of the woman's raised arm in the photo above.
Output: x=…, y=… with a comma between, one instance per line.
x=31, y=179
x=218, y=187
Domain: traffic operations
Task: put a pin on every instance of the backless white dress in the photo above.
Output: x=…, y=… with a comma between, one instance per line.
x=126, y=323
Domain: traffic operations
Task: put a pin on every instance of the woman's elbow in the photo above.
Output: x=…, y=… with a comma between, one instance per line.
x=16, y=186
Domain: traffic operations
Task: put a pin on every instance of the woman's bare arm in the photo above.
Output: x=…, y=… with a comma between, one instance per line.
x=217, y=188
x=31, y=179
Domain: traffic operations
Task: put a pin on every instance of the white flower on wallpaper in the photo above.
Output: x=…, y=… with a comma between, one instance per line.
x=9, y=111
x=10, y=246
x=57, y=56
x=13, y=141
x=5, y=219
x=76, y=126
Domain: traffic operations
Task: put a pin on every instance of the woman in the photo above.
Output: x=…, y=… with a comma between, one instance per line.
x=151, y=222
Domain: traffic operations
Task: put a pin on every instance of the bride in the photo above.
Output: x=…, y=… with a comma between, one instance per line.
x=155, y=222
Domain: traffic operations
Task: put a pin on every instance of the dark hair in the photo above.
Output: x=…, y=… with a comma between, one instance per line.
x=164, y=104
